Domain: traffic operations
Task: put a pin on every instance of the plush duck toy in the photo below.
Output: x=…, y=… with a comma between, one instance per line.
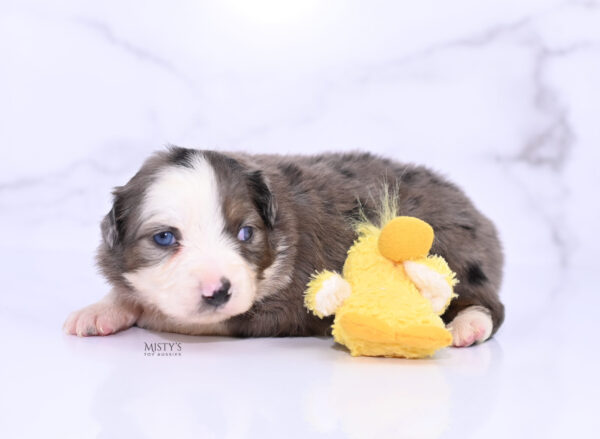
x=390, y=298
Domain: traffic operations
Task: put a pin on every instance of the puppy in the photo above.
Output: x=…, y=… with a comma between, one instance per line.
x=203, y=242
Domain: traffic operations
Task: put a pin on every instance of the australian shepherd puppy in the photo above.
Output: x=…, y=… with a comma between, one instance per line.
x=204, y=242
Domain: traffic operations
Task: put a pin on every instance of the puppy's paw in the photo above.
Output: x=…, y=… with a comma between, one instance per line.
x=102, y=318
x=471, y=325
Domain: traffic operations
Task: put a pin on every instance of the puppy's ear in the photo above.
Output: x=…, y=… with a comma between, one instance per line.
x=110, y=229
x=263, y=198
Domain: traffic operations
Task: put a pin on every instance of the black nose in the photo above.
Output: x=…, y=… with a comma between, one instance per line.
x=219, y=296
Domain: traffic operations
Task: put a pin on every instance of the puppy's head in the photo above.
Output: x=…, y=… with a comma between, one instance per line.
x=189, y=235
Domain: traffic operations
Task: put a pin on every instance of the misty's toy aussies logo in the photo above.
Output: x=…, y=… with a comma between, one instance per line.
x=163, y=349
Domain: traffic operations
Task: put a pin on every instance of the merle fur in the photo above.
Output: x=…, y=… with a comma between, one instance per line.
x=304, y=207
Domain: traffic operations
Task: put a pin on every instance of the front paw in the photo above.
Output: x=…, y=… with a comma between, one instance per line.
x=102, y=318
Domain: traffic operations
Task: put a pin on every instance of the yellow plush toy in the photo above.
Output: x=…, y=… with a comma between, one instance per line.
x=390, y=298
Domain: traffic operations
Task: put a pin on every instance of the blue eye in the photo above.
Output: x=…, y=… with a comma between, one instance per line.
x=164, y=239
x=245, y=233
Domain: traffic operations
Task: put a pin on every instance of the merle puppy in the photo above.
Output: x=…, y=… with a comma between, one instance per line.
x=203, y=242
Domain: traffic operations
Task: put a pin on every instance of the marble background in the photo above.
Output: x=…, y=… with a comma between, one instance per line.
x=503, y=97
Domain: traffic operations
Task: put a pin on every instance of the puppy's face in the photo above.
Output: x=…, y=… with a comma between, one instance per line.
x=189, y=234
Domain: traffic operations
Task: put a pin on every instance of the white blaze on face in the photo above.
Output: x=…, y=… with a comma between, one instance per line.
x=188, y=199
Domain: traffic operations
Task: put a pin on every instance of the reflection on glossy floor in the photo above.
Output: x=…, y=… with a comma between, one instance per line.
x=537, y=378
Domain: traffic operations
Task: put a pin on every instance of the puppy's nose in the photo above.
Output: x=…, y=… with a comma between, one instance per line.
x=220, y=295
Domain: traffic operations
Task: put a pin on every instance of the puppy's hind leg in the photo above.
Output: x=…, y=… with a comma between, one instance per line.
x=471, y=325
x=475, y=315
x=105, y=317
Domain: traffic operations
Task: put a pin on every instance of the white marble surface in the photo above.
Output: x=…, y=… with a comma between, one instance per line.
x=503, y=97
